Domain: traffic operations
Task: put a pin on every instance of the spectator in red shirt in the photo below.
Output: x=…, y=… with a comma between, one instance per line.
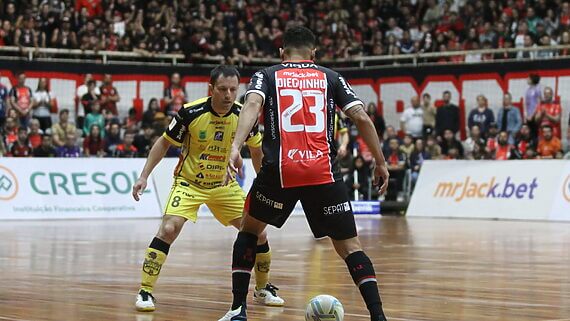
x=35, y=135
x=503, y=150
x=524, y=141
x=175, y=95
x=549, y=146
x=126, y=149
x=21, y=99
x=10, y=132
x=396, y=161
x=21, y=147
x=93, y=145
x=109, y=97
x=492, y=139
x=549, y=113
x=94, y=7
x=565, y=14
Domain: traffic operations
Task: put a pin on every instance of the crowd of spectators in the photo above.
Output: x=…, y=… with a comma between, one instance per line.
x=238, y=30
x=31, y=125
x=531, y=131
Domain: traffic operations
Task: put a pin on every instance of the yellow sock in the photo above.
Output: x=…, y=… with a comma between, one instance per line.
x=153, y=261
x=262, y=266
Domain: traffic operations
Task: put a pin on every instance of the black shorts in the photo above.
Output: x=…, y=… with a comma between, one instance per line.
x=327, y=207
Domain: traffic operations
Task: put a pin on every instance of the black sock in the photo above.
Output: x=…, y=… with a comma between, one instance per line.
x=263, y=248
x=242, y=262
x=363, y=275
x=160, y=245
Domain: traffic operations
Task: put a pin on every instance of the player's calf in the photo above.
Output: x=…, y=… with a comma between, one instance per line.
x=364, y=276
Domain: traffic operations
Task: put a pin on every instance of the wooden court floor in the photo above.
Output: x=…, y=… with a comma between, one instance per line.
x=429, y=269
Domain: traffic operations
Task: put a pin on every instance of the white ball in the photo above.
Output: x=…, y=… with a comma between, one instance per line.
x=324, y=308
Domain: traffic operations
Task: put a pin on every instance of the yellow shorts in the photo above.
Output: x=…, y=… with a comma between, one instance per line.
x=225, y=202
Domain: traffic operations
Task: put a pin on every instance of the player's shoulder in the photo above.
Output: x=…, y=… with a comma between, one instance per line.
x=236, y=108
x=196, y=108
x=201, y=102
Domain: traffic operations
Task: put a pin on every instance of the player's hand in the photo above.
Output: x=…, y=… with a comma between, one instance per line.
x=235, y=164
x=381, y=173
x=342, y=151
x=139, y=188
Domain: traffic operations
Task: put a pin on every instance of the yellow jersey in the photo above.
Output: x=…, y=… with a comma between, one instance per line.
x=206, y=139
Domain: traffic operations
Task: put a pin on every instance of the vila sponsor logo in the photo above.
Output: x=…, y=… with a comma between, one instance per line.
x=494, y=188
x=296, y=154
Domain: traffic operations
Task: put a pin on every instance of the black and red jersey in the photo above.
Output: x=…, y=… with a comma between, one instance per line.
x=300, y=100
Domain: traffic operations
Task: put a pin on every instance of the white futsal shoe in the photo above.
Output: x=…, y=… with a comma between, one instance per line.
x=268, y=296
x=238, y=314
x=145, y=302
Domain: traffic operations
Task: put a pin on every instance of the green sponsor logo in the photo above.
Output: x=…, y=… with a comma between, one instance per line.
x=202, y=134
x=83, y=183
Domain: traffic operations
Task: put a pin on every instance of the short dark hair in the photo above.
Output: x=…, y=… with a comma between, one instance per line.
x=64, y=111
x=299, y=37
x=534, y=78
x=447, y=92
x=225, y=71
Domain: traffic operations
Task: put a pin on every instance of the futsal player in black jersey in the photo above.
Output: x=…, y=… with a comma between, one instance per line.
x=298, y=99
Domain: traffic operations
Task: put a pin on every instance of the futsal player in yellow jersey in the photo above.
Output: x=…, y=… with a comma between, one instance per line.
x=205, y=130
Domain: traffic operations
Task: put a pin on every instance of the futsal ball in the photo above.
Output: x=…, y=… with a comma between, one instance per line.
x=324, y=308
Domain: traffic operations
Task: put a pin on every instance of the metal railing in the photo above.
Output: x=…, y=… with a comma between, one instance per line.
x=107, y=57
x=77, y=54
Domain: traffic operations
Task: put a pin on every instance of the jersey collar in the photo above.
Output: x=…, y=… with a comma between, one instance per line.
x=298, y=61
x=211, y=109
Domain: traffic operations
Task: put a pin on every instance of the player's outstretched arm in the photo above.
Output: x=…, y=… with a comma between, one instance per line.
x=247, y=118
x=155, y=155
x=370, y=136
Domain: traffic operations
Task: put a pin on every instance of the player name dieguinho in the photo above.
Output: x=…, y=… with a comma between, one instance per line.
x=301, y=83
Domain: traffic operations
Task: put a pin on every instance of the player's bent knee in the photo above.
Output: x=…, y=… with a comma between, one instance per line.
x=346, y=247
x=252, y=225
x=169, y=230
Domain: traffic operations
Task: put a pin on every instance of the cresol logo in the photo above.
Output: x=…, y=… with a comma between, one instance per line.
x=8, y=184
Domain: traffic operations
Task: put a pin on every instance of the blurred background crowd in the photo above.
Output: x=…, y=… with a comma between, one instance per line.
x=32, y=125
x=239, y=30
